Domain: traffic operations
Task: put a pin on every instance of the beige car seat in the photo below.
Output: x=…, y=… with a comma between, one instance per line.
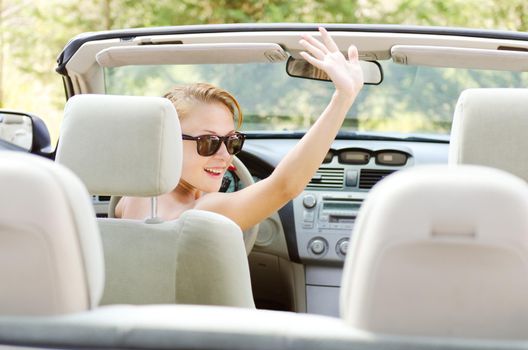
x=131, y=146
x=441, y=251
x=51, y=260
x=490, y=128
x=250, y=235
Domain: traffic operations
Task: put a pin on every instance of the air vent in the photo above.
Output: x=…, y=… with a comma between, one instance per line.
x=369, y=177
x=100, y=199
x=327, y=178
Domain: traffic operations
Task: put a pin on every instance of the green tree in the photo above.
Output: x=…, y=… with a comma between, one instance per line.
x=33, y=32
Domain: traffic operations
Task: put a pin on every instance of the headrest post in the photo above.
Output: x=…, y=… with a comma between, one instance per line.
x=153, y=207
x=153, y=219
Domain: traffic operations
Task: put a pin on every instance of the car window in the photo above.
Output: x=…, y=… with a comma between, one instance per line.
x=410, y=99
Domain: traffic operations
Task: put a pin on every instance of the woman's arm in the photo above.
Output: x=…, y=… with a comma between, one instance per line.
x=118, y=211
x=254, y=203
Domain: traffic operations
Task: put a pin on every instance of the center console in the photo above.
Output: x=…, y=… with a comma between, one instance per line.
x=324, y=222
x=325, y=214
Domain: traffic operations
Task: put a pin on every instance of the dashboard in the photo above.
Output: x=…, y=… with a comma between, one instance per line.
x=324, y=214
x=318, y=223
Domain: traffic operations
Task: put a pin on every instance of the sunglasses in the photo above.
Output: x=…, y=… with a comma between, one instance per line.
x=207, y=145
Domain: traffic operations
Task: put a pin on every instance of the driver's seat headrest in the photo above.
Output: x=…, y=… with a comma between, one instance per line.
x=122, y=145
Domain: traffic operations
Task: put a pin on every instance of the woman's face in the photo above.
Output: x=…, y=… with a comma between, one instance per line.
x=206, y=173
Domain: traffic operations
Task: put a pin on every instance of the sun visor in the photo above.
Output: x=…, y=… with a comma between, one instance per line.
x=191, y=54
x=456, y=57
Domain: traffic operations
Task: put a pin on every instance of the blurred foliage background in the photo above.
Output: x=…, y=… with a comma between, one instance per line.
x=33, y=32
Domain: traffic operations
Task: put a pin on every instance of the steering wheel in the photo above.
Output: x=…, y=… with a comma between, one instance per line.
x=241, y=171
x=250, y=235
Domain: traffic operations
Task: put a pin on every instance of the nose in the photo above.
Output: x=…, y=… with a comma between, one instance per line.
x=222, y=152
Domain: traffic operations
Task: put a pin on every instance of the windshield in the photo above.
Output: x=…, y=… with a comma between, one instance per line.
x=410, y=100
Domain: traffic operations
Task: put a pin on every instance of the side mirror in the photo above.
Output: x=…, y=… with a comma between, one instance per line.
x=24, y=132
x=299, y=68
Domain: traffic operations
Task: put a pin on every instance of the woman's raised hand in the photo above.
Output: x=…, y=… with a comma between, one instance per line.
x=294, y=172
x=346, y=74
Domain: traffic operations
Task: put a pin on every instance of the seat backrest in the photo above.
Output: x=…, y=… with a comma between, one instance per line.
x=131, y=146
x=197, y=259
x=490, y=128
x=441, y=251
x=51, y=259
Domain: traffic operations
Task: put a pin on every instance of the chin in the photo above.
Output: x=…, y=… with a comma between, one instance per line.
x=210, y=187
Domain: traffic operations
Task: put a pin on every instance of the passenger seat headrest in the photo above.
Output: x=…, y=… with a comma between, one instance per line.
x=51, y=259
x=440, y=251
x=490, y=128
x=122, y=145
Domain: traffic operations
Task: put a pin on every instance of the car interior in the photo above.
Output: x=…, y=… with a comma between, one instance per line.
x=411, y=234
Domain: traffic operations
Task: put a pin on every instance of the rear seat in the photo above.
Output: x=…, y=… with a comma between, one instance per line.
x=51, y=258
x=440, y=251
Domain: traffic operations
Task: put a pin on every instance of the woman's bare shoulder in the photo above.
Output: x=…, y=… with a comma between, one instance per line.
x=133, y=208
x=168, y=208
x=213, y=198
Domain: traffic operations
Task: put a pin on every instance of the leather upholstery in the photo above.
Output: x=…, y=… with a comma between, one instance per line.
x=51, y=258
x=440, y=251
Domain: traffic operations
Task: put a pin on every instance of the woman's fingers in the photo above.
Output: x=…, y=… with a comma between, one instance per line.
x=313, y=61
x=315, y=43
x=353, y=54
x=320, y=49
x=312, y=49
x=328, y=41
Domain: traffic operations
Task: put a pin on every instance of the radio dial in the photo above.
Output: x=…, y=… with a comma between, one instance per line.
x=309, y=201
x=318, y=246
x=343, y=247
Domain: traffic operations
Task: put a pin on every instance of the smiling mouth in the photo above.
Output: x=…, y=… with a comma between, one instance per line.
x=213, y=171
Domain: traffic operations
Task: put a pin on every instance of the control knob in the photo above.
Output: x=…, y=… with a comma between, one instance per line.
x=343, y=247
x=317, y=246
x=309, y=201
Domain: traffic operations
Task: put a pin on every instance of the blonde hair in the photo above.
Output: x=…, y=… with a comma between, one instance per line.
x=184, y=97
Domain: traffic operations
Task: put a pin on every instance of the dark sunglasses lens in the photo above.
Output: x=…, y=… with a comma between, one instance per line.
x=234, y=144
x=208, y=145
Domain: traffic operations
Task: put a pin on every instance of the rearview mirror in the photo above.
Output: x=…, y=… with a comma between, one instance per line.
x=299, y=68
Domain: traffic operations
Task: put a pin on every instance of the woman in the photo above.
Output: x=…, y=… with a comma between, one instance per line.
x=205, y=110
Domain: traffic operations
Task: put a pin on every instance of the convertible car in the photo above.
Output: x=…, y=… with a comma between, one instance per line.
x=412, y=233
